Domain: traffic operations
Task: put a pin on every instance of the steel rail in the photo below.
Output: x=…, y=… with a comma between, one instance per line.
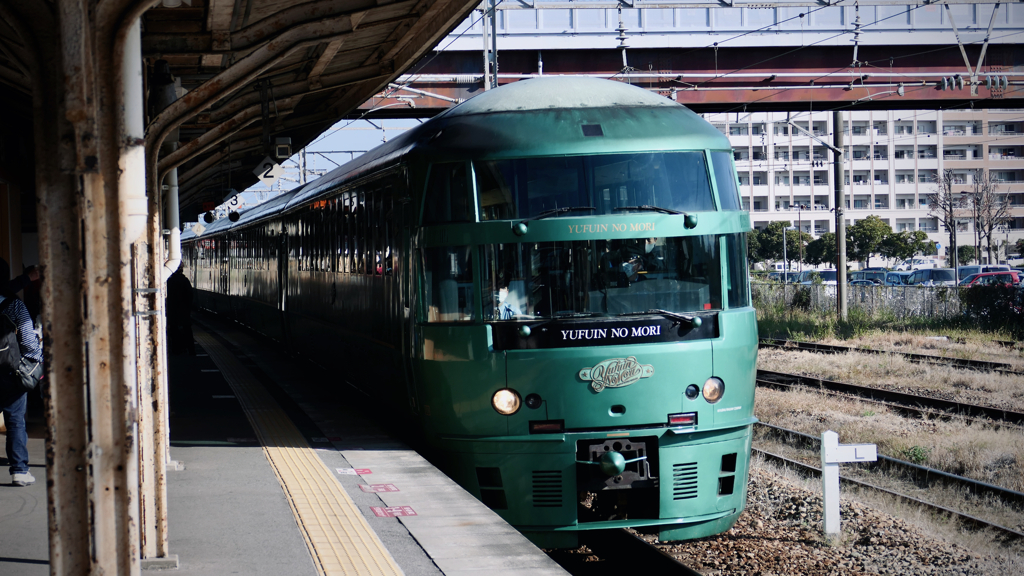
x=966, y=519
x=623, y=546
x=901, y=409
x=919, y=473
x=1001, y=367
x=899, y=400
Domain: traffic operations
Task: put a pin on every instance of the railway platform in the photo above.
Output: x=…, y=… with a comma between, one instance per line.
x=276, y=474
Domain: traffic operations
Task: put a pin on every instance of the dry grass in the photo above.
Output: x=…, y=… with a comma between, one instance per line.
x=987, y=508
x=970, y=346
x=979, y=451
x=893, y=372
x=995, y=558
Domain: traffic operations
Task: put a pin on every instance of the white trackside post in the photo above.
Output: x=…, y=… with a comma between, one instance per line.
x=832, y=454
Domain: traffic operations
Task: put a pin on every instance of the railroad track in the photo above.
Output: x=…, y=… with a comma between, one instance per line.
x=1000, y=367
x=619, y=552
x=921, y=474
x=910, y=404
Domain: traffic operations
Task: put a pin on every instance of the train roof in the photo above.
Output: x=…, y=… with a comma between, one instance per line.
x=560, y=92
x=535, y=117
x=270, y=206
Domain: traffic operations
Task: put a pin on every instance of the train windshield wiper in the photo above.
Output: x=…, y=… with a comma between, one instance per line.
x=649, y=208
x=575, y=314
x=556, y=211
x=694, y=321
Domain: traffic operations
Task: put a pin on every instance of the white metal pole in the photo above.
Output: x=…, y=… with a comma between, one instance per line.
x=830, y=484
x=833, y=454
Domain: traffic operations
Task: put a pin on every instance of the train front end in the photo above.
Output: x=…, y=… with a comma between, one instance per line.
x=586, y=350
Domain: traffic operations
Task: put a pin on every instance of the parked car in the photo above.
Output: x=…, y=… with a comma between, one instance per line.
x=897, y=278
x=875, y=275
x=965, y=271
x=790, y=277
x=989, y=278
x=916, y=264
x=933, y=277
x=828, y=277
x=862, y=283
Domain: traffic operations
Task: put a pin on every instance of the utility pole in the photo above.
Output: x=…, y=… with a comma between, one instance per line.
x=489, y=22
x=800, y=233
x=837, y=152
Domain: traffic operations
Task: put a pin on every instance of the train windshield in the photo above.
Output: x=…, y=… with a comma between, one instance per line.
x=610, y=277
x=609, y=184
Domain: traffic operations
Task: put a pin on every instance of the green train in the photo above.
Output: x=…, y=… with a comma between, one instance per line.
x=550, y=280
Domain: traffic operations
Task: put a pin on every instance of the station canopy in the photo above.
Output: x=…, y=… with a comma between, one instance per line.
x=276, y=69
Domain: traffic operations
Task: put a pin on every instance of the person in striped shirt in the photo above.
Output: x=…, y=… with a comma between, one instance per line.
x=15, y=402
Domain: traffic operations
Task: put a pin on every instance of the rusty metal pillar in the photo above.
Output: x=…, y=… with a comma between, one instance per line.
x=60, y=253
x=90, y=178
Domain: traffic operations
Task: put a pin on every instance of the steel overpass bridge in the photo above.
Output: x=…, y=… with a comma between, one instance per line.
x=725, y=56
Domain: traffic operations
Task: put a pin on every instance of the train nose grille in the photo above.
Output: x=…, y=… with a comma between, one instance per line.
x=547, y=489
x=684, y=481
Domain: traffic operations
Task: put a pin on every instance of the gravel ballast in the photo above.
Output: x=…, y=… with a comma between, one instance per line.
x=779, y=533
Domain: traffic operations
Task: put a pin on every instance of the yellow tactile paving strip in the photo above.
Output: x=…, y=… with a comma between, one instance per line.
x=338, y=537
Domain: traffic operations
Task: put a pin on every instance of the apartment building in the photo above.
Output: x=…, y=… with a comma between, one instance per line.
x=893, y=160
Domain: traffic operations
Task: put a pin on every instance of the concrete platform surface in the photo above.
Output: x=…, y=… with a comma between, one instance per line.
x=230, y=511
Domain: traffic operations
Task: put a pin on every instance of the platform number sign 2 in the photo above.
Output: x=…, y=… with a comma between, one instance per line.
x=268, y=171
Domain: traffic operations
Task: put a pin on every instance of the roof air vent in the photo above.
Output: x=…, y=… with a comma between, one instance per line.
x=592, y=130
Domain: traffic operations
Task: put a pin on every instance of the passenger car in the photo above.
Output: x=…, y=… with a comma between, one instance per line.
x=933, y=277
x=989, y=278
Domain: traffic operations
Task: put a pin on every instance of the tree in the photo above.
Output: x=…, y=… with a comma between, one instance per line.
x=754, y=247
x=770, y=241
x=992, y=209
x=966, y=254
x=796, y=242
x=944, y=205
x=866, y=236
x=822, y=250
x=903, y=245
x=1020, y=245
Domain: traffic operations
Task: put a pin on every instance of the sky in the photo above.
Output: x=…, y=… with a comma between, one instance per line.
x=341, y=143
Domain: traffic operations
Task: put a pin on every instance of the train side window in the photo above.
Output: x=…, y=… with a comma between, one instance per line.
x=346, y=232
x=447, y=198
x=725, y=178
x=358, y=236
x=378, y=232
x=448, y=284
x=366, y=231
x=737, y=285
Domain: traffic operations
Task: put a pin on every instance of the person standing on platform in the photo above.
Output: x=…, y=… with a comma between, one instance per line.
x=179, y=314
x=14, y=400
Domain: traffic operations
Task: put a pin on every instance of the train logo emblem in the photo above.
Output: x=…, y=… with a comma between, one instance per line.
x=616, y=373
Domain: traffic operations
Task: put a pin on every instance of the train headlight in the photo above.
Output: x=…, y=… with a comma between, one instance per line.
x=713, y=389
x=506, y=401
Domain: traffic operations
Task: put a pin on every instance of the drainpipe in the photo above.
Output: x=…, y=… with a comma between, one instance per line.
x=164, y=94
x=132, y=183
x=173, y=224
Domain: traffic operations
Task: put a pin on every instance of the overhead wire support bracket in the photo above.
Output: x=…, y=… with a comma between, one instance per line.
x=812, y=136
x=970, y=72
x=984, y=48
